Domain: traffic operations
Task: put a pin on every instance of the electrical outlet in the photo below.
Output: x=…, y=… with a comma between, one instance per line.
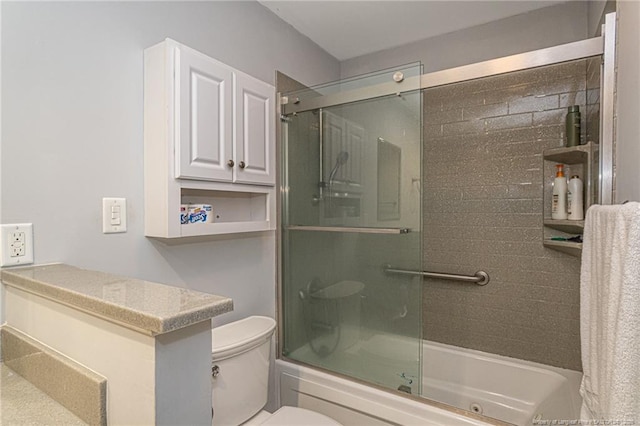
x=16, y=244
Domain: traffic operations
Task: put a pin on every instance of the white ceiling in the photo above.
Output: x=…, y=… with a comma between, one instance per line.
x=347, y=29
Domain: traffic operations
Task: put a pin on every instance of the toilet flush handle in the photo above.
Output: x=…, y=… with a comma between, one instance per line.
x=215, y=370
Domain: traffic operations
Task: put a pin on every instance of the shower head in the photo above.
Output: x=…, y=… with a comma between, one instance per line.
x=341, y=160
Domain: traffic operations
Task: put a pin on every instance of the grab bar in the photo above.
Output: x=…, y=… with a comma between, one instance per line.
x=480, y=277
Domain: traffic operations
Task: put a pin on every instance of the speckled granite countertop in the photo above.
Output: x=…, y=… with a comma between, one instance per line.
x=144, y=306
x=24, y=404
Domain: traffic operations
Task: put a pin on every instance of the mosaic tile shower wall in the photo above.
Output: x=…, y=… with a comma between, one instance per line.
x=483, y=210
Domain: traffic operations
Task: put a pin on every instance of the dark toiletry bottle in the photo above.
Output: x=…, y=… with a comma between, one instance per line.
x=573, y=126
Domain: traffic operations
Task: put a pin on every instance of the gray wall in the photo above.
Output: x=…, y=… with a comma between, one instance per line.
x=72, y=123
x=627, y=155
x=538, y=29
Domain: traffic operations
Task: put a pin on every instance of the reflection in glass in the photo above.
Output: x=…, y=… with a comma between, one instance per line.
x=388, y=180
x=341, y=311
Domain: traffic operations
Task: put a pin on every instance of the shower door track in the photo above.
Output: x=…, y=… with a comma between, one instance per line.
x=522, y=61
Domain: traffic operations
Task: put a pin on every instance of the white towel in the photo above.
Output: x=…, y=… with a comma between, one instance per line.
x=610, y=313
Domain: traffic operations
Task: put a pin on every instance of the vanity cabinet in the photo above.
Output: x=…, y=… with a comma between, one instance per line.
x=209, y=138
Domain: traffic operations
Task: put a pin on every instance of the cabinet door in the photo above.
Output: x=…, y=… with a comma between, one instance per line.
x=255, y=131
x=203, y=126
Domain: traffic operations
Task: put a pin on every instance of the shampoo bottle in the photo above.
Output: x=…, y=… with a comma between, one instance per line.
x=573, y=126
x=559, y=199
x=575, y=204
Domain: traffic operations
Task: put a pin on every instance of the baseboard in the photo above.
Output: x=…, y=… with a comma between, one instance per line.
x=80, y=390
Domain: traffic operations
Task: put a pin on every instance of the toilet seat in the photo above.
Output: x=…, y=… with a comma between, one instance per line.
x=294, y=416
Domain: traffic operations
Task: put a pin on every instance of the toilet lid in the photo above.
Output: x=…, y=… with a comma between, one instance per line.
x=294, y=416
x=240, y=336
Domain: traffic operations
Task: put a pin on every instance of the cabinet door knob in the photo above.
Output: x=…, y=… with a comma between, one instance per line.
x=230, y=163
x=242, y=165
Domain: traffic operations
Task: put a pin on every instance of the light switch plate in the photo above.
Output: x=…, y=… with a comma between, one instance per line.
x=16, y=244
x=114, y=215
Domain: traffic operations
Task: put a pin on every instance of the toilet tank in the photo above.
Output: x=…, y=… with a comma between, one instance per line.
x=241, y=351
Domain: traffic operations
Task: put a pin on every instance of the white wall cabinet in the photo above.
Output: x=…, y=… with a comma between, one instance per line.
x=224, y=118
x=209, y=138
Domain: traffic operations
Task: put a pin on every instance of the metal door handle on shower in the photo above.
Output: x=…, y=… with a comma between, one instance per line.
x=480, y=277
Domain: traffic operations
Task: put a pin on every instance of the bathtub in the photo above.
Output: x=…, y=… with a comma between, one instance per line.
x=507, y=389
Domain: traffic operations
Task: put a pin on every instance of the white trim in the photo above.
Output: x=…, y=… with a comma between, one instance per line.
x=607, y=110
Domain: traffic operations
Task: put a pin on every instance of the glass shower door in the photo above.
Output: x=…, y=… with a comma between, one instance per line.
x=351, y=208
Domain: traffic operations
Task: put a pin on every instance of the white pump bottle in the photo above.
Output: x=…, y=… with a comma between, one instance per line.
x=559, y=199
x=575, y=203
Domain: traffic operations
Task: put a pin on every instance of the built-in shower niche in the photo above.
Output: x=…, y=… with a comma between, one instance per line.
x=579, y=161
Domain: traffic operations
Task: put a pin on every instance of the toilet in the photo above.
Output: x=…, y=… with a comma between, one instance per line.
x=240, y=378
